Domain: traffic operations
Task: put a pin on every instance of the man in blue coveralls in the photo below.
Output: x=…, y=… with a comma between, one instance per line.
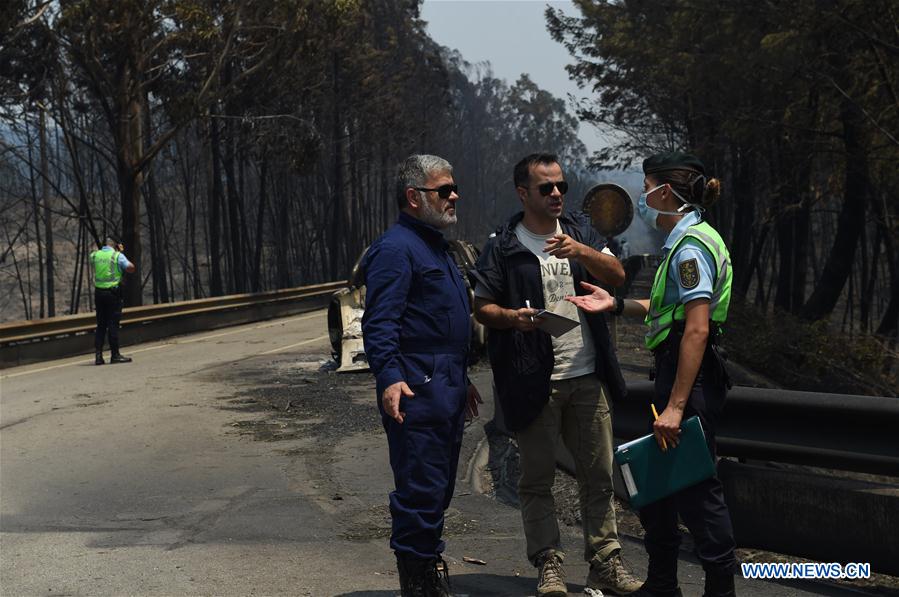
x=416, y=330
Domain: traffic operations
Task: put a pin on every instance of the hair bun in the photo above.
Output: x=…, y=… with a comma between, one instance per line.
x=711, y=192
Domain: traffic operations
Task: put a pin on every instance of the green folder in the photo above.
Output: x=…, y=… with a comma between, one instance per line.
x=650, y=474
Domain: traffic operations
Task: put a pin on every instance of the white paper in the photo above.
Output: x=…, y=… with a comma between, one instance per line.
x=628, y=479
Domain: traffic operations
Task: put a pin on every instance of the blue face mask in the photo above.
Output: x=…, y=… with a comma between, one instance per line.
x=650, y=215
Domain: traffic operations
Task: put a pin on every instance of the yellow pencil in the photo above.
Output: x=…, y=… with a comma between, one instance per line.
x=655, y=413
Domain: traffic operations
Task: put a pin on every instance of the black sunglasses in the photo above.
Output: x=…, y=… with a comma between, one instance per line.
x=443, y=191
x=547, y=187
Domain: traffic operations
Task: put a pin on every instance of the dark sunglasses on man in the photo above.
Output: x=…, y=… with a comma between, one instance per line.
x=443, y=191
x=546, y=188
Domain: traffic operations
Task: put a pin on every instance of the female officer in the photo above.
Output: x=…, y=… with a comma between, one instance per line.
x=687, y=306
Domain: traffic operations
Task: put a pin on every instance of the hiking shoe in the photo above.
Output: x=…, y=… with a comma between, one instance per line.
x=611, y=576
x=551, y=575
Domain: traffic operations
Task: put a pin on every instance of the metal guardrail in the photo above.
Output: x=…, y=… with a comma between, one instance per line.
x=844, y=432
x=23, y=342
x=853, y=433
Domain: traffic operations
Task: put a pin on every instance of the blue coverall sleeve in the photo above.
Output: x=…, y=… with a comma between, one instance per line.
x=387, y=281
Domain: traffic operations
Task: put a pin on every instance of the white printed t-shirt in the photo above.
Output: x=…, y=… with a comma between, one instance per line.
x=574, y=352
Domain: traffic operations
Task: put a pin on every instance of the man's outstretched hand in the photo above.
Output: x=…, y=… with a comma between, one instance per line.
x=598, y=301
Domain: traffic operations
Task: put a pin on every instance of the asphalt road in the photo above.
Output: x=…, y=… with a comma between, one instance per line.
x=233, y=463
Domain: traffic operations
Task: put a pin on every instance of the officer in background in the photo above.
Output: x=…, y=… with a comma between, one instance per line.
x=110, y=264
x=688, y=305
x=416, y=330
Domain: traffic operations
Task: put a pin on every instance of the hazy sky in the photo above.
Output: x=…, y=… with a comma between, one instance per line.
x=512, y=36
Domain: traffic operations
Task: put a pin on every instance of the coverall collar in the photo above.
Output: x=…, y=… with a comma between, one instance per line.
x=431, y=234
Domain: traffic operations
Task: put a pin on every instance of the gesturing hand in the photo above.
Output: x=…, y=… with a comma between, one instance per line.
x=563, y=247
x=599, y=300
x=391, y=399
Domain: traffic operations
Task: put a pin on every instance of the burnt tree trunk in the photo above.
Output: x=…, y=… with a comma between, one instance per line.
x=214, y=193
x=851, y=219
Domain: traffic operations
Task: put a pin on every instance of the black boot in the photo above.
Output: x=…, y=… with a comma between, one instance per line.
x=438, y=578
x=719, y=583
x=118, y=358
x=412, y=576
x=98, y=360
x=661, y=579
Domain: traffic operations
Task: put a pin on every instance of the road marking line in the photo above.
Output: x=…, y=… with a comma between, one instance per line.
x=42, y=369
x=255, y=327
x=148, y=348
x=319, y=339
x=172, y=343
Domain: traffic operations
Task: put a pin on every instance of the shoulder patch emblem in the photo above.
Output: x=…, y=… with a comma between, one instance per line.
x=689, y=274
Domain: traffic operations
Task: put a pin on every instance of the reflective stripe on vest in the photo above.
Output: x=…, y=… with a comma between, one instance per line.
x=106, y=269
x=661, y=317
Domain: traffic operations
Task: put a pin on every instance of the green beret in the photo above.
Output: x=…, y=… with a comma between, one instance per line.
x=672, y=160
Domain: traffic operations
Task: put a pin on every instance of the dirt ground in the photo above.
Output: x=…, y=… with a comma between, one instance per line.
x=289, y=399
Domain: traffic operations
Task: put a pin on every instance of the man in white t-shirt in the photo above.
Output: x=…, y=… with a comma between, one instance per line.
x=550, y=386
